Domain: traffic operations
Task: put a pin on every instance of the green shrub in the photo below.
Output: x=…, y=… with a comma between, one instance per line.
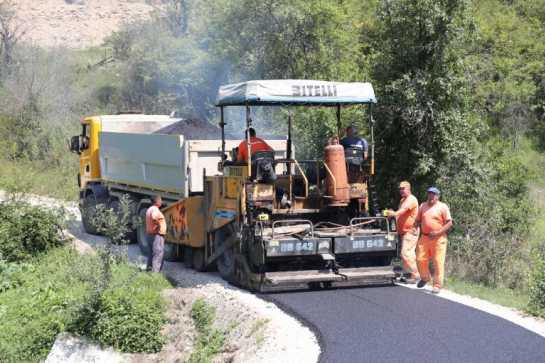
x=57, y=291
x=537, y=287
x=26, y=231
x=130, y=312
x=12, y=274
x=45, y=301
x=209, y=340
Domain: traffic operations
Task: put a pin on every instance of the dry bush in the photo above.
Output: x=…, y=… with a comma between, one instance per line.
x=492, y=259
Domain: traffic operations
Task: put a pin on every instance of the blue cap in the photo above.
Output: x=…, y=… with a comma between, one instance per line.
x=433, y=190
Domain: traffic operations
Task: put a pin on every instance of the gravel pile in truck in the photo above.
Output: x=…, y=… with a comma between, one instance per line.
x=192, y=129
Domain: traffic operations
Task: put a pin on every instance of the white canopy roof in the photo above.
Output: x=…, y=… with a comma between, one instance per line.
x=295, y=92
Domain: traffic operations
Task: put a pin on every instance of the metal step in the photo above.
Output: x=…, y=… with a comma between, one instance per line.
x=296, y=280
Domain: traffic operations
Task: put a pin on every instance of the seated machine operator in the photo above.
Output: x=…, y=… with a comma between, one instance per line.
x=354, y=142
x=256, y=144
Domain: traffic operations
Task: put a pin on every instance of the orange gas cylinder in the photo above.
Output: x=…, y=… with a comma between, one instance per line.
x=338, y=187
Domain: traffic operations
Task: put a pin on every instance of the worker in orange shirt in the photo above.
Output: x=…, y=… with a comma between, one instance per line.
x=256, y=144
x=435, y=221
x=156, y=229
x=408, y=234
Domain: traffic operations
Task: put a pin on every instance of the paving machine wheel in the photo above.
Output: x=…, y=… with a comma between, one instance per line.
x=198, y=260
x=188, y=257
x=226, y=261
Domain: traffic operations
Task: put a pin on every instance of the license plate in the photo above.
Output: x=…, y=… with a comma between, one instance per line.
x=371, y=243
x=297, y=247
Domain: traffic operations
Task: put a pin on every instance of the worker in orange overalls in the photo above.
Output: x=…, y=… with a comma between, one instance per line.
x=435, y=221
x=256, y=144
x=408, y=234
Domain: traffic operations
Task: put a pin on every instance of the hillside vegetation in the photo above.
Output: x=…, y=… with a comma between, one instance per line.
x=460, y=85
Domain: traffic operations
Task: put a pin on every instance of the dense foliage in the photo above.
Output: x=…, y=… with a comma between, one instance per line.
x=26, y=230
x=537, y=286
x=130, y=312
x=55, y=293
x=42, y=301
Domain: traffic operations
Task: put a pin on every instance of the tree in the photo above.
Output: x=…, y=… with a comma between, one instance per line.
x=175, y=14
x=11, y=31
x=425, y=132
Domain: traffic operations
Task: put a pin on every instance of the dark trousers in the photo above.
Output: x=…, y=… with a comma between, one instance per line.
x=156, y=252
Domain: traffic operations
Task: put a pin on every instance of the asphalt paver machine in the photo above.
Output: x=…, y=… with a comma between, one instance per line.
x=283, y=223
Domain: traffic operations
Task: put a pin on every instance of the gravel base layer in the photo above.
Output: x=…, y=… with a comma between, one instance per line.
x=255, y=330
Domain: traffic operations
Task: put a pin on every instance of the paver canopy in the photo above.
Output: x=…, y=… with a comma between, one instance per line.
x=295, y=92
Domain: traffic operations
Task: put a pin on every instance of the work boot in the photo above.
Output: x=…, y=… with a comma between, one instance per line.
x=421, y=284
x=407, y=278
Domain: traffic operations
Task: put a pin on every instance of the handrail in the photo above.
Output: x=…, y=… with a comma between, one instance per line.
x=285, y=221
x=304, y=177
x=333, y=178
x=369, y=220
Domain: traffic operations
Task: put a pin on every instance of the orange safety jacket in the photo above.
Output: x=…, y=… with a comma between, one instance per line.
x=256, y=144
x=155, y=221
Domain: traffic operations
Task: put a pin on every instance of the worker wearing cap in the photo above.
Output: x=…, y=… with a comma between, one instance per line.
x=256, y=144
x=408, y=234
x=351, y=140
x=435, y=221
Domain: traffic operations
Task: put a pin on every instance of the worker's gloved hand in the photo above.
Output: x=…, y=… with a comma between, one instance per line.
x=389, y=213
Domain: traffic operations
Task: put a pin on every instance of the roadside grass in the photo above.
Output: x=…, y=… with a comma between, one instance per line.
x=498, y=295
x=258, y=331
x=52, y=293
x=44, y=302
x=39, y=178
x=210, y=340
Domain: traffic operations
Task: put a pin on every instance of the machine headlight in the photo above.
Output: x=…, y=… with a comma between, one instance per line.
x=324, y=246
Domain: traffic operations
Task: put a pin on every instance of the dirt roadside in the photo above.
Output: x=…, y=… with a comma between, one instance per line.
x=76, y=23
x=255, y=330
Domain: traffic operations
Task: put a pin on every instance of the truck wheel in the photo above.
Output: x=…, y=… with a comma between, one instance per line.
x=141, y=235
x=226, y=261
x=88, y=212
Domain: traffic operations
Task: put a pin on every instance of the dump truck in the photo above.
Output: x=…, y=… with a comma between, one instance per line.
x=270, y=223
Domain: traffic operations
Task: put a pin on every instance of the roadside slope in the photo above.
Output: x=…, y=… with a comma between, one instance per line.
x=76, y=23
x=256, y=330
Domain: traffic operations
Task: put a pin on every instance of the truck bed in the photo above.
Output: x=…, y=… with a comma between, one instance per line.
x=168, y=163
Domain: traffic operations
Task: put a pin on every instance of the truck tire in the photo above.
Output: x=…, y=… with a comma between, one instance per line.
x=88, y=212
x=141, y=235
x=226, y=261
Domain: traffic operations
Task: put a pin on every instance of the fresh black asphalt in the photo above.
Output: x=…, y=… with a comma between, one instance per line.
x=396, y=324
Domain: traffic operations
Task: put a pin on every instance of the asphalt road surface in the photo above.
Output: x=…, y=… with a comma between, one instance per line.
x=396, y=324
